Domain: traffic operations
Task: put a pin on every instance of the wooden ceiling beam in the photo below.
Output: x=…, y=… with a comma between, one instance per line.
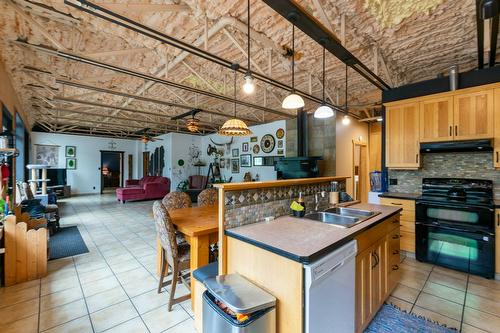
x=116, y=53
x=145, y=7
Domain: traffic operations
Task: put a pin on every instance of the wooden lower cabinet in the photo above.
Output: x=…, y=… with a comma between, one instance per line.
x=407, y=221
x=377, y=272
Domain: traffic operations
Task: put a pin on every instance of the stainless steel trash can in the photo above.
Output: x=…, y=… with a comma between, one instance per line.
x=232, y=304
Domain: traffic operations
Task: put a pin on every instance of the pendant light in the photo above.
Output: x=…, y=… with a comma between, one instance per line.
x=293, y=101
x=249, y=85
x=235, y=126
x=346, y=120
x=323, y=111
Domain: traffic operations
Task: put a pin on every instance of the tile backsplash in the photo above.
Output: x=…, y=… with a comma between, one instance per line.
x=251, y=206
x=447, y=165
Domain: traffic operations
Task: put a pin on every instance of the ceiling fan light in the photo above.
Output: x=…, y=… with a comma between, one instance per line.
x=346, y=120
x=323, y=112
x=235, y=127
x=249, y=85
x=193, y=125
x=293, y=101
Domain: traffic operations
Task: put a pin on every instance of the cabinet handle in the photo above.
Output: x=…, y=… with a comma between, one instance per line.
x=456, y=130
x=396, y=204
x=498, y=220
x=395, y=221
x=451, y=130
x=374, y=257
x=416, y=158
x=395, y=267
x=395, y=252
x=397, y=236
x=497, y=155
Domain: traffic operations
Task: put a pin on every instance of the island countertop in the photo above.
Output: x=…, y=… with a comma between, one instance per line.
x=305, y=240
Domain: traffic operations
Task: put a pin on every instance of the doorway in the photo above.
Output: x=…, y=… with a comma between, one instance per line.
x=111, y=170
x=360, y=170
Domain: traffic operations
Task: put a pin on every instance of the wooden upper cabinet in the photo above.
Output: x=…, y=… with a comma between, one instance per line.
x=473, y=115
x=436, y=119
x=402, y=136
x=496, y=106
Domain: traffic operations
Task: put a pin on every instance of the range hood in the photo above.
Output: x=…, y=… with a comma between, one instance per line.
x=456, y=146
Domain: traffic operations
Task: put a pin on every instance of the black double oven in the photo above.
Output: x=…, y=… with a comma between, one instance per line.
x=455, y=225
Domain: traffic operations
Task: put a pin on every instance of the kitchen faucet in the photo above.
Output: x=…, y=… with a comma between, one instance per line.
x=316, y=199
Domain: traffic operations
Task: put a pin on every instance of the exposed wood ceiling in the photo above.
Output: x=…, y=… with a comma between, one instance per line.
x=401, y=41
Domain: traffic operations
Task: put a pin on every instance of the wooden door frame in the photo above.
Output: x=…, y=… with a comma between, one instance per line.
x=365, y=173
x=122, y=169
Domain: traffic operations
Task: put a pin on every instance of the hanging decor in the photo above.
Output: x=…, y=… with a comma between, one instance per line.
x=267, y=143
x=280, y=133
x=249, y=85
x=293, y=101
x=234, y=126
x=193, y=125
x=323, y=111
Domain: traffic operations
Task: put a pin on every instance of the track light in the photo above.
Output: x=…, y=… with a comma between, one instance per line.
x=324, y=111
x=249, y=85
x=293, y=101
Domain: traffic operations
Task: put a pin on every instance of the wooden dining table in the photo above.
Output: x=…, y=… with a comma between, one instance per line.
x=199, y=225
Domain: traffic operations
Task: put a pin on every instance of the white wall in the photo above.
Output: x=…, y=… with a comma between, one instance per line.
x=86, y=178
x=265, y=173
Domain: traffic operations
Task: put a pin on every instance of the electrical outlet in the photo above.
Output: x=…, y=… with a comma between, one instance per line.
x=393, y=181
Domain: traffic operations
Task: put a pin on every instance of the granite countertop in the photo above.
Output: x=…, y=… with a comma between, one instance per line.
x=400, y=195
x=305, y=240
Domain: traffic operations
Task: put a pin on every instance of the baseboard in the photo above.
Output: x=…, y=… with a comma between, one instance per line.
x=408, y=254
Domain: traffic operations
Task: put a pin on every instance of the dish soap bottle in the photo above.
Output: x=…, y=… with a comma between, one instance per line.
x=302, y=203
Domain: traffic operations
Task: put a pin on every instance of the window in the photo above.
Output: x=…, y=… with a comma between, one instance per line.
x=7, y=128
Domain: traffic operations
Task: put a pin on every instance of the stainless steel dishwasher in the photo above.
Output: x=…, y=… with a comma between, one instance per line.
x=232, y=304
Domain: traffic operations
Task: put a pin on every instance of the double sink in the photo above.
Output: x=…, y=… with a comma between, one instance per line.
x=341, y=216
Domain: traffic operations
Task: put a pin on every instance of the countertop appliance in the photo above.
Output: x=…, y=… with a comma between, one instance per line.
x=239, y=296
x=455, y=225
x=330, y=292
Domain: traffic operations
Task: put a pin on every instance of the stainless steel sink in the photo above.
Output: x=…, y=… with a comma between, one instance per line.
x=341, y=217
x=335, y=219
x=352, y=212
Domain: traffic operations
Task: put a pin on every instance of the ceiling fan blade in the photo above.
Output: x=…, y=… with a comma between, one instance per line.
x=192, y=113
x=143, y=131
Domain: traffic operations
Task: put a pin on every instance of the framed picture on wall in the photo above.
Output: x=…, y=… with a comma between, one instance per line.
x=280, y=143
x=235, y=165
x=254, y=139
x=236, y=152
x=246, y=160
x=71, y=163
x=281, y=152
x=70, y=151
x=244, y=147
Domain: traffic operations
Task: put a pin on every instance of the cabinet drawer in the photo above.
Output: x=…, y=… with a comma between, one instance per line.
x=407, y=226
x=407, y=241
x=408, y=215
x=407, y=205
x=369, y=237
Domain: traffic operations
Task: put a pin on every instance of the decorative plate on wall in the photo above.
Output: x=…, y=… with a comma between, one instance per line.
x=256, y=149
x=267, y=143
x=280, y=133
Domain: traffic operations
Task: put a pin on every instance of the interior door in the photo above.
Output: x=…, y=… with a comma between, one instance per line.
x=145, y=163
x=402, y=136
x=473, y=115
x=436, y=119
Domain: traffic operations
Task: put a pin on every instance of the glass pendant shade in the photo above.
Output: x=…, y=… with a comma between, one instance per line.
x=292, y=101
x=235, y=127
x=323, y=112
x=249, y=85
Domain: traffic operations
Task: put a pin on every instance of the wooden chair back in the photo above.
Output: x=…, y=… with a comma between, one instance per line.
x=176, y=200
x=208, y=197
x=166, y=231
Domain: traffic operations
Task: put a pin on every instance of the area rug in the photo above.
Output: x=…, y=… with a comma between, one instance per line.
x=66, y=242
x=392, y=320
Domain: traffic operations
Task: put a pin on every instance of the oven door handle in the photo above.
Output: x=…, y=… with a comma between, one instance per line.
x=453, y=206
x=454, y=229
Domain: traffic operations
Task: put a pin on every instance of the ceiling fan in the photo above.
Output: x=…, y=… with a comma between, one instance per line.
x=145, y=136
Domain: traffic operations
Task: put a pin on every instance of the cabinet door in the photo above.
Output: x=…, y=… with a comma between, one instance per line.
x=497, y=241
x=496, y=115
x=436, y=119
x=379, y=272
x=473, y=115
x=402, y=136
x=364, y=288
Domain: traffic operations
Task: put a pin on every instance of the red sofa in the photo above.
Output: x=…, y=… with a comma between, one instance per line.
x=150, y=187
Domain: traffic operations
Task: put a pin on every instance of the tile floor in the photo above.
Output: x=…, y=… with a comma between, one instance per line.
x=113, y=288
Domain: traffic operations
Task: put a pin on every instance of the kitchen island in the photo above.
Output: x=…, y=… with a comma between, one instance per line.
x=273, y=254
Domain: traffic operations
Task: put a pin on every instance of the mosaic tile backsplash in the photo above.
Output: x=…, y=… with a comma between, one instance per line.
x=251, y=206
x=447, y=165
